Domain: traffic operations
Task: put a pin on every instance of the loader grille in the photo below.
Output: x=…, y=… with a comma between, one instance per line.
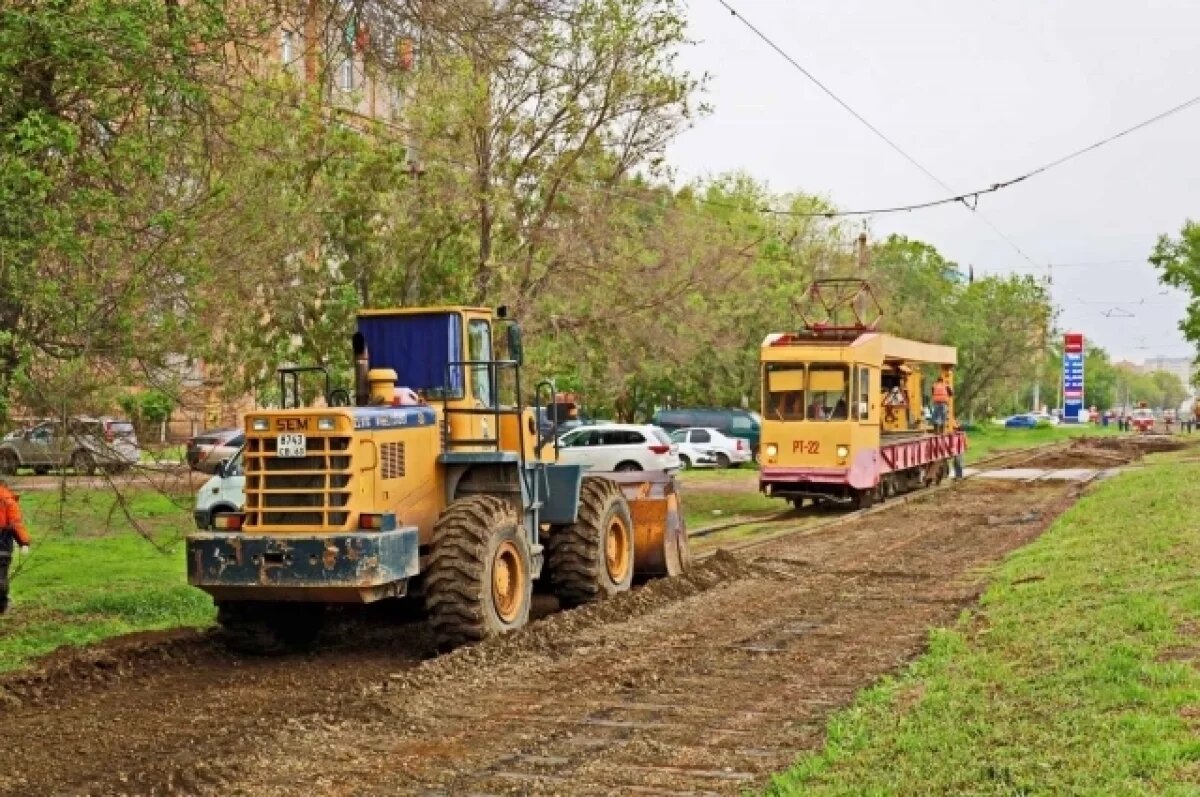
x=298, y=493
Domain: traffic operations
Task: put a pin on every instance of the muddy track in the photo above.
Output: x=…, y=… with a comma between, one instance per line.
x=702, y=685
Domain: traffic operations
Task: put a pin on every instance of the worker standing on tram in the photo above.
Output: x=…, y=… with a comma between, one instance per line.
x=12, y=534
x=941, y=404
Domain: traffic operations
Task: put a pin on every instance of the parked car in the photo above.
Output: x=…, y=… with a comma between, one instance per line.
x=733, y=423
x=1142, y=420
x=693, y=455
x=1045, y=418
x=728, y=451
x=619, y=447
x=1026, y=421
x=225, y=492
x=207, y=449
x=87, y=445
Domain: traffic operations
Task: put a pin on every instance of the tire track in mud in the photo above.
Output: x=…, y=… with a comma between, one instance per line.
x=692, y=686
x=145, y=714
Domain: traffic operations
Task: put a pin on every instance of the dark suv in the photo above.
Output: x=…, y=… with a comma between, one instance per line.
x=734, y=423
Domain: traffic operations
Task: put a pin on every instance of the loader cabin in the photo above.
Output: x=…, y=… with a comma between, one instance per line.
x=844, y=418
x=427, y=385
x=448, y=357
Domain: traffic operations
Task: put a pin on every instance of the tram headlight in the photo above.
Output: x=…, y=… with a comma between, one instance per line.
x=843, y=452
x=772, y=450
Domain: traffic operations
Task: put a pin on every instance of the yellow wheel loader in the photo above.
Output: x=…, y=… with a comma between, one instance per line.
x=430, y=479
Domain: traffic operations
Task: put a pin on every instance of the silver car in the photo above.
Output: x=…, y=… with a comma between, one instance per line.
x=86, y=445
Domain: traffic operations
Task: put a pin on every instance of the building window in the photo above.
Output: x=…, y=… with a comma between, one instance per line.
x=346, y=74
x=287, y=47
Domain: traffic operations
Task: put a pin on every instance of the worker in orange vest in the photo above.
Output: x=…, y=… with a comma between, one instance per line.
x=12, y=533
x=941, y=404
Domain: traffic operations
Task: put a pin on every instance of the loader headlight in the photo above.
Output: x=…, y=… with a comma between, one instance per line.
x=326, y=424
x=259, y=424
x=772, y=450
x=843, y=451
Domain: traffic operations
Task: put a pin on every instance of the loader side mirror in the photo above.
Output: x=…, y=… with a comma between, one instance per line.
x=515, y=351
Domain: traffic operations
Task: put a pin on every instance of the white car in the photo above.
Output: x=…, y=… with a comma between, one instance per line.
x=225, y=492
x=1045, y=417
x=725, y=450
x=693, y=455
x=619, y=447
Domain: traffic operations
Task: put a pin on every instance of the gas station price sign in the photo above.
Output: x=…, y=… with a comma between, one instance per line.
x=1072, y=376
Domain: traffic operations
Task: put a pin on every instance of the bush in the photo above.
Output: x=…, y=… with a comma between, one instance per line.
x=152, y=406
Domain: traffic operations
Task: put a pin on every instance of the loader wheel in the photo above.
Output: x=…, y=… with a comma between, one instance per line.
x=479, y=581
x=592, y=558
x=263, y=628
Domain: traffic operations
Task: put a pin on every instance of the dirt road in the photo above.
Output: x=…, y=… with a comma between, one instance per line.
x=694, y=686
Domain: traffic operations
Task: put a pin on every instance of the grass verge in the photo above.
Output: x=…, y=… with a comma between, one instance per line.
x=1078, y=674
x=93, y=574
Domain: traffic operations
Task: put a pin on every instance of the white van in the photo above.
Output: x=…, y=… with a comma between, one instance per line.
x=224, y=492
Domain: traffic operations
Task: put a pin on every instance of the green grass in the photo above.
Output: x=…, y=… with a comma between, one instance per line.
x=747, y=470
x=1080, y=673
x=704, y=509
x=990, y=439
x=93, y=574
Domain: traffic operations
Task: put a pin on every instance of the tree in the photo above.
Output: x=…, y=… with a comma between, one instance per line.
x=1178, y=263
x=104, y=115
x=997, y=324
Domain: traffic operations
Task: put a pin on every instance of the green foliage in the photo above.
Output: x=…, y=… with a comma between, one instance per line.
x=105, y=110
x=156, y=406
x=1178, y=263
x=1075, y=679
x=998, y=325
x=151, y=406
x=159, y=204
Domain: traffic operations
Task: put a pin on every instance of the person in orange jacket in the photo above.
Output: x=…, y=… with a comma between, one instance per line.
x=12, y=533
x=941, y=403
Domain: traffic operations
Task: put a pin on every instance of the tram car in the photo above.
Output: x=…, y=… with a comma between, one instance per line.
x=847, y=415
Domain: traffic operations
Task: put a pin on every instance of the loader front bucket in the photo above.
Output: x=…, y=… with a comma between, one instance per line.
x=660, y=536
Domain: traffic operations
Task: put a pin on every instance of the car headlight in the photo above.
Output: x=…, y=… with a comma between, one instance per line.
x=259, y=424
x=772, y=450
x=326, y=424
x=843, y=451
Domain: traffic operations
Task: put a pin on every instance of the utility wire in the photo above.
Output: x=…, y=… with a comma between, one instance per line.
x=829, y=92
x=960, y=198
x=970, y=199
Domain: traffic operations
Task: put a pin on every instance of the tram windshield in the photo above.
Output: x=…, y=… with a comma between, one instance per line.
x=814, y=392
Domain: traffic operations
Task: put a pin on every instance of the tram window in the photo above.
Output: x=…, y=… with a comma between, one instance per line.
x=828, y=392
x=785, y=392
x=864, y=393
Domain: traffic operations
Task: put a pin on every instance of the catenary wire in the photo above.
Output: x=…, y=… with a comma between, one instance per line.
x=959, y=198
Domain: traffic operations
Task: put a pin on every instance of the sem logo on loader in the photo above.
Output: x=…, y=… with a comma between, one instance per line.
x=291, y=424
x=806, y=447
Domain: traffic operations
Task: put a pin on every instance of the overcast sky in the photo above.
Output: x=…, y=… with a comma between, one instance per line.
x=977, y=92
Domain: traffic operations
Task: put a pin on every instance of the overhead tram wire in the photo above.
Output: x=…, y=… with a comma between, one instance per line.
x=961, y=199
x=957, y=197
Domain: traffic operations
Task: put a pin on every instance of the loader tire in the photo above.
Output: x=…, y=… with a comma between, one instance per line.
x=263, y=628
x=593, y=558
x=479, y=582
